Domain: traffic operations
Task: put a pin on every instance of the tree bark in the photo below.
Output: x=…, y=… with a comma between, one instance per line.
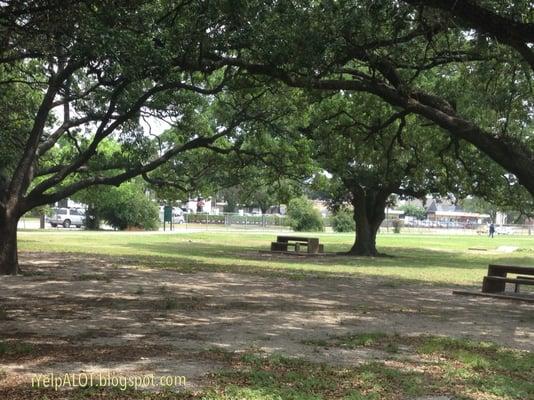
x=368, y=215
x=508, y=30
x=92, y=219
x=8, y=244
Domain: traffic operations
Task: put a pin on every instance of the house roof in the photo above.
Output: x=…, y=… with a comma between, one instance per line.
x=460, y=214
x=434, y=206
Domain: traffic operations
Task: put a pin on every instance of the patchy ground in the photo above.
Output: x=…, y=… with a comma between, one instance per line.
x=71, y=314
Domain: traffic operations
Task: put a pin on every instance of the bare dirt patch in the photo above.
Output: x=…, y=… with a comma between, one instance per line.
x=105, y=314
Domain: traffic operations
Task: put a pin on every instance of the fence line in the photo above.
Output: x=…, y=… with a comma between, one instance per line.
x=268, y=222
x=237, y=222
x=227, y=221
x=451, y=228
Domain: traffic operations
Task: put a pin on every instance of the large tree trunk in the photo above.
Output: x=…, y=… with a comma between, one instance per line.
x=8, y=244
x=92, y=219
x=368, y=215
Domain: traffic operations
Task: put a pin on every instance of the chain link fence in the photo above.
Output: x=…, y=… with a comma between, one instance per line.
x=230, y=221
x=268, y=222
x=452, y=228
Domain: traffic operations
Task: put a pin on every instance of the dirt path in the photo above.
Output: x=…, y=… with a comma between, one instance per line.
x=90, y=314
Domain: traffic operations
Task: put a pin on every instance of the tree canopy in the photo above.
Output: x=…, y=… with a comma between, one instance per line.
x=408, y=56
x=93, y=72
x=81, y=81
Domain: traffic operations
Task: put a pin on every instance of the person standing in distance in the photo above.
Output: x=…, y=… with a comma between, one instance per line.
x=491, y=230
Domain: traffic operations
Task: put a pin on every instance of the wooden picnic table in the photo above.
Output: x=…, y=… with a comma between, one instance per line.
x=497, y=278
x=283, y=242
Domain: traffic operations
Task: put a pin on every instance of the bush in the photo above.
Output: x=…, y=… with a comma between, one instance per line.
x=122, y=207
x=133, y=212
x=413, y=211
x=303, y=217
x=397, y=225
x=343, y=221
x=128, y=207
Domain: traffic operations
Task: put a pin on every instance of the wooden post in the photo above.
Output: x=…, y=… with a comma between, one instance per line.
x=491, y=286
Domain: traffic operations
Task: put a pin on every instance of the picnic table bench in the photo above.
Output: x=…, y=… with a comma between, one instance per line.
x=284, y=242
x=497, y=277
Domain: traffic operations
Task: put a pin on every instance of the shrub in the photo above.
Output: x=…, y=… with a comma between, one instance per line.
x=122, y=207
x=128, y=207
x=397, y=224
x=133, y=212
x=413, y=211
x=303, y=217
x=343, y=221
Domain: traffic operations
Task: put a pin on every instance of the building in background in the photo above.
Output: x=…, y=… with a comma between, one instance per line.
x=453, y=213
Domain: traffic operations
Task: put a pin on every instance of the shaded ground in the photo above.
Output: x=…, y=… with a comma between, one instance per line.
x=72, y=313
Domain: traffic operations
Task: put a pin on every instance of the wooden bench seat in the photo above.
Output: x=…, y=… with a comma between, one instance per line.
x=494, y=284
x=497, y=277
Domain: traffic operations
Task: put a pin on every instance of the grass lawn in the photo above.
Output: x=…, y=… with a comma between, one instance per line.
x=467, y=370
x=432, y=258
x=274, y=328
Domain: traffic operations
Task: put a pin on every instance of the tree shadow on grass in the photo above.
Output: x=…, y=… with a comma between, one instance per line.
x=402, y=257
x=151, y=315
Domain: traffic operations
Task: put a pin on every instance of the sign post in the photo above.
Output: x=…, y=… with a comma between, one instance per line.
x=167, y=216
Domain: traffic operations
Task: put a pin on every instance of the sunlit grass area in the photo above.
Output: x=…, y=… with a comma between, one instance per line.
x=428, y=258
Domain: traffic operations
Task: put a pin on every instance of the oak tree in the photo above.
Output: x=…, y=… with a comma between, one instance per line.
x=87, y=73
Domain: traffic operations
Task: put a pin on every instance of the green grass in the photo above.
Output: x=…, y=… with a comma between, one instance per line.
x=456, y=368
x=411, y=366
x=139, y=291
x=92, y=277
x=3, y=314
x=15, y=348
x=431, y=258
x=462, y=369
x=169, y=303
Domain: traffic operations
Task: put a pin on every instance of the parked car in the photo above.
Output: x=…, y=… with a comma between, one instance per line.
x=178, y=216
x=66, y=217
